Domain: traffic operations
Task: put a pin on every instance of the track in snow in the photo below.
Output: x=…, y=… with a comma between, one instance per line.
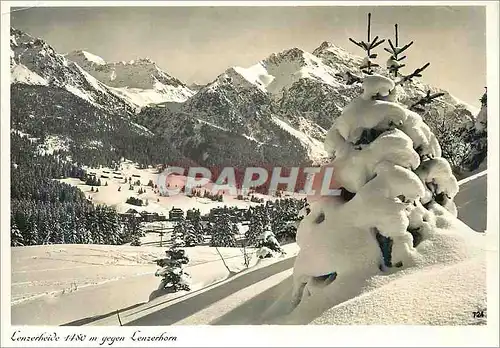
x=171, y=312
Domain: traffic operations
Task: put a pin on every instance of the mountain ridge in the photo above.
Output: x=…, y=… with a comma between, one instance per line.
x=280, y=107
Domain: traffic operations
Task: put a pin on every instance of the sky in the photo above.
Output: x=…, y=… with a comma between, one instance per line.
x=196, y=44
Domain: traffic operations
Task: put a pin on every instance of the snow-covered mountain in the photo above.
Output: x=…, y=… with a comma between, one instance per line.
x=259, y=104
x=140, y=81
x=285, y=102
x=54, y=99
x=275, y=111
x=35, y=62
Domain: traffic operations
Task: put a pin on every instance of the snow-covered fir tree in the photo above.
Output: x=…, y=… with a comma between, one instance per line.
x=283, y=217
x=255, y=229
x=268, y=245
x=136, y=241
x=198, y=229
x=396, y=212
x=194, y=217
x=16, y=238
x=174, y=278
x=179, y=233
x=223, y=232
x=132, y=230
x=190, y=236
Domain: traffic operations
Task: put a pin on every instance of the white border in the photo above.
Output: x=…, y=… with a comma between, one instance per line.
x=492, y=61
x=219, y=336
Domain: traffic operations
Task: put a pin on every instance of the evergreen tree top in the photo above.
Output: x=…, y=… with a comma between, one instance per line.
x=484, y=98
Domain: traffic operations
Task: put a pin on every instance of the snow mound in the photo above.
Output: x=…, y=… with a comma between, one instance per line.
x=371, y=130
x=436, y=173
x=459, y=288
x=376, y=84
x=338, y=280
x=424, y=140
x=393, y=146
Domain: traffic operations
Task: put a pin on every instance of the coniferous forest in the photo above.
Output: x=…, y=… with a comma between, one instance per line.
x=46, y=211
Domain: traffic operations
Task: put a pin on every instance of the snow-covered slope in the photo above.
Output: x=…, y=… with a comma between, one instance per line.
x=123, y=86
x=280, y=71
x=109, y=195
x=290, y=66
x=21, y=74
x=337, y=58
x=54, y=97
x=246, y=101
x=451, y=294
x=315, y=148
x=104, y=271
x=140, y=82
x=92, y=58
x=445, y=286
x=58, y=284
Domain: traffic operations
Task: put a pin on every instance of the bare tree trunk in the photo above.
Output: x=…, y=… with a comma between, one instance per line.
x=246, y=257
x=223, y=260
x=118, y=315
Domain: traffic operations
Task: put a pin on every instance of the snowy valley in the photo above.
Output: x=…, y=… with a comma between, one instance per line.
x=45, y=294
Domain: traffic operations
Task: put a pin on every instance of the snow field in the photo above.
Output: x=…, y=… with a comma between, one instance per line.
x=110, y=196
x=21, y=74
x=160, y=94
x=57, y=284
x=139, y=315
x=443, y=295
x=93, y=58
